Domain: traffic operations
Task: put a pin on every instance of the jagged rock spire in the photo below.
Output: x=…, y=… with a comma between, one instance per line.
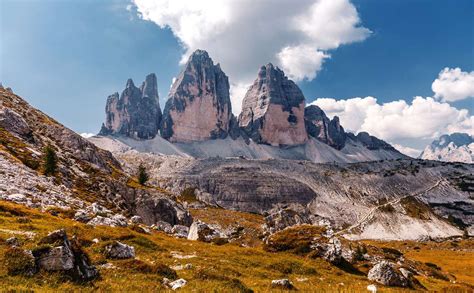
x=136, y=112
x=199, y=106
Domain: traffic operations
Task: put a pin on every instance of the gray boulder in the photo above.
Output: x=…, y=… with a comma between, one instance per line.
x=180, y=231
x=119, y=250
x=14, y=123
x=386, y=274
x=58, y=253
x=202, y=232
x=282, y=284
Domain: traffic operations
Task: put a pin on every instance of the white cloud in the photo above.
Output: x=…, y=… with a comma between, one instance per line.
x=412, y=152
x=453, y=85
x=87, y=135
x=244, y=34
x=423, y=118
x=301, y=62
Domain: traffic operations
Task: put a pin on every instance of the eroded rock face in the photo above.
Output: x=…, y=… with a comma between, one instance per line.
x=136, y=112
x=199, y=106
x=318, y=125
x=14, y=123
x=273, y=109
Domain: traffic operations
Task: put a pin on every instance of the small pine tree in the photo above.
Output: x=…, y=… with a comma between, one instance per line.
x=50, y=161
x=142, y=175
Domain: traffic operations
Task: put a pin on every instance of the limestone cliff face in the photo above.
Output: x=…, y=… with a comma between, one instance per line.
x=136, y=112
x=199, y=106
x=318, y=125
x=273, y=109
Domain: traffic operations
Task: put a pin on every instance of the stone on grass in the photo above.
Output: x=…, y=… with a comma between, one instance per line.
x=386, y=274
x=119, y=250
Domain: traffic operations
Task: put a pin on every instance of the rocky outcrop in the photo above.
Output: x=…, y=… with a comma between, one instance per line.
x=14, y=123
x=136, y=112
x=386, y=274
x=199, y=106
x=319, y=126
x=58, y=253
x=371, y=142
x=273, y=109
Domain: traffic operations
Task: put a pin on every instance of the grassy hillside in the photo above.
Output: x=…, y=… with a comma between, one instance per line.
x=219, y=268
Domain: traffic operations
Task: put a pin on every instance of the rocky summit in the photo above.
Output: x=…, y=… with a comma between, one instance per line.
x=199, y=106
x=136, y=112
x=456, y=147
x=318, y=125
x=273, y=109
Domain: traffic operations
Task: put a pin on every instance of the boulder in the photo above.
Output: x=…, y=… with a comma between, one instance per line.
x=282, y=284
x=58, y=253
x=163, y=226
x=14, y=123
x=114, y=221
x=199, y=106
x=119, y=250
x=333, y=251
x=386, y=274
x=202, y=232
x=180, y=231
x=136, y=220
x=175, y=284
x=136, y=112
x=273, y=109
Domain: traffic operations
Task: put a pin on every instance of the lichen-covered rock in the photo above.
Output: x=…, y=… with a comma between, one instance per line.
x=119, y=250
x=273, y=109
x=136, y=112
x=14, y=123
x=113, y=221
x=333, y=253
x=386, y=274
x=199, y=106
x=319, y=126
x=155, y=209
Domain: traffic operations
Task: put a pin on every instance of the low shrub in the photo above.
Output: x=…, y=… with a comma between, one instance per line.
x=19, y=262
x=296, y=239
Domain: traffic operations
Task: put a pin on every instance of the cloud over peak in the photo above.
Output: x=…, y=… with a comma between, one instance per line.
x=423, y=118
x=244, y=34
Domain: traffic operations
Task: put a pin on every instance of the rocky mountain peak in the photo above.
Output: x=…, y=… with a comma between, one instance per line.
x=149, y=87
x=319, y=126
x=455, y=147
x=273, y=109
x=199, y=106
x=136, y=112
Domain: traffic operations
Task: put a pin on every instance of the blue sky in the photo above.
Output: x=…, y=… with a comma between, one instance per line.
x=66, y=57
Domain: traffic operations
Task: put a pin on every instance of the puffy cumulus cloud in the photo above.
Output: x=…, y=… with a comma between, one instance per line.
x=412, y=152
x=453, y=85
x=301, y=61
x=244, y=34
x=423, y=118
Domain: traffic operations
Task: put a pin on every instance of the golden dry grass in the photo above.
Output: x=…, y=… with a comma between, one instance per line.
x=226, y=268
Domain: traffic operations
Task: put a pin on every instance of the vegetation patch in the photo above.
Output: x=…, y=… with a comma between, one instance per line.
x=296, y=239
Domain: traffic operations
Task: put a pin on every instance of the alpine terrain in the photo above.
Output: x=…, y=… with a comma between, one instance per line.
x=195, y=198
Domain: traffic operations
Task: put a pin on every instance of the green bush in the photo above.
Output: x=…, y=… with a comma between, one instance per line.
x=50, y=161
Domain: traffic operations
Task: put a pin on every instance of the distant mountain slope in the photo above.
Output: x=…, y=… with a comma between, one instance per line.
x=314, y=150
x=456, y=147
